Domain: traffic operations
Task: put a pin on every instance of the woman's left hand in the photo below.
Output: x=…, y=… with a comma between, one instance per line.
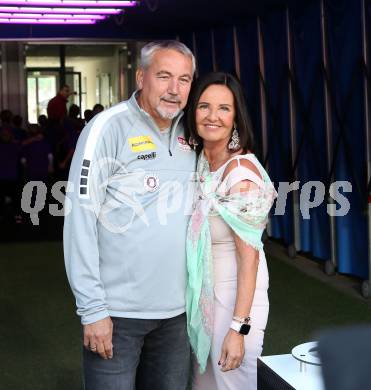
x=233, y=351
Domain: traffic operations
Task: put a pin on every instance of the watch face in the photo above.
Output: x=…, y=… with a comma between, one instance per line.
x=245, y=329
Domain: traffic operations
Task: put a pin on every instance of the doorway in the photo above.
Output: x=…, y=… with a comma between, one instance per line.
x=43, y=84
x=97, y=73
x=41, y=87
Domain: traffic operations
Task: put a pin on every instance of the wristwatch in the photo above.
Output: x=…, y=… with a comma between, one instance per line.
x=241, y=328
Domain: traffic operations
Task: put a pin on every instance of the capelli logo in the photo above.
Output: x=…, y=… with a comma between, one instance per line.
x=149, y=156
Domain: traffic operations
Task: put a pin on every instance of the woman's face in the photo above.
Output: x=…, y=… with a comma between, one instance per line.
x=215, y=114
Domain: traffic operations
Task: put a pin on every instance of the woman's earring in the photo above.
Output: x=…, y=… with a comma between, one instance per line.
x=193, y=143
x=234, y=144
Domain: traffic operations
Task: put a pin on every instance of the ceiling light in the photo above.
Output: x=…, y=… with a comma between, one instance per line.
x=46, y=21
x=49, y=16
x=62, y=10
x=68, y=3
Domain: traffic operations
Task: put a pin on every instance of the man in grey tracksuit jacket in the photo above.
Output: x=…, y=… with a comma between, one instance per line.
x=129, y=199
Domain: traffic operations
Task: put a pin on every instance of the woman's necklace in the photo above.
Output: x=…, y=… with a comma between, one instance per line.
x=219, y=162
x=204, y=169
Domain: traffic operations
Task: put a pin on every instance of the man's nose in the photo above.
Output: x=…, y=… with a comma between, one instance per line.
x=173, y=87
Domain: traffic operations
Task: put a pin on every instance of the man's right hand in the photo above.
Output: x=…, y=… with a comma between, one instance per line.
x=98, y=337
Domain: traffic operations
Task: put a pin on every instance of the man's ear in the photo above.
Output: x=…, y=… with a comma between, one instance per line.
x=139, y=78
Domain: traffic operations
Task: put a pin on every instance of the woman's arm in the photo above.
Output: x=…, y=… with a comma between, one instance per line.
x=247, y=268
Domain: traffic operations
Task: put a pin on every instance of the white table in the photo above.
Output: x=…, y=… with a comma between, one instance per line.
x=285, y=372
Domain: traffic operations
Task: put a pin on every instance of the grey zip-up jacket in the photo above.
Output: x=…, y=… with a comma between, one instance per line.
x=128, y=203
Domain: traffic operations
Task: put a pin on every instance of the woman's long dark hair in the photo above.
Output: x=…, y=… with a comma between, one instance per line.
x=242, y=119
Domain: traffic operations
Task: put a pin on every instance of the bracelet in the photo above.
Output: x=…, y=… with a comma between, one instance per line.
x=241, y=320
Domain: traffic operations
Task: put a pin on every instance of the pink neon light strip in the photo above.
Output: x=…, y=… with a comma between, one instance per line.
x=68, y=3
x=46, y=21
x=49, y=16
x=98, y=11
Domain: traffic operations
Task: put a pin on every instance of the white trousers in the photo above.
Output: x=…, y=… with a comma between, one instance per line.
x=244, y=377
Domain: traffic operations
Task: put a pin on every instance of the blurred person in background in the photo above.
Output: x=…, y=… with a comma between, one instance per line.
x=57, y=106
x=88, y=114
x=6, y=117
x=36, y=156
x=72, y=127
x=42, y=120
x=19, y=132
x=9, y=173
x=97, y=109
x=57, y=112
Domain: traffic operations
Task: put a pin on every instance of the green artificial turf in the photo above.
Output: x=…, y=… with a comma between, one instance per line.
x=40, y=333
x=300, y=307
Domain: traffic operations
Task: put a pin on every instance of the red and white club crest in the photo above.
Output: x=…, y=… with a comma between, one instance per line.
x=151, y=182
x=183, y=145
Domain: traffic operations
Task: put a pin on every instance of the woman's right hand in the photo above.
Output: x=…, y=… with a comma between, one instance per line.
x=233, y=351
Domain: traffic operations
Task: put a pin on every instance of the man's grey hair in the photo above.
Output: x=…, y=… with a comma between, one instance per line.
x=150, y=49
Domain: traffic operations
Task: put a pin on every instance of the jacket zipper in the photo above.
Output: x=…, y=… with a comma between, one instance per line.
x=172, y=132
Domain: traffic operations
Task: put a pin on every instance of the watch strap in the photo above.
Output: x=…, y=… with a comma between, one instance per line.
x=235, y=325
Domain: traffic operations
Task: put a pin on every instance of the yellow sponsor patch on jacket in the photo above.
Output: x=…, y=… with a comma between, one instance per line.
x=141, y=143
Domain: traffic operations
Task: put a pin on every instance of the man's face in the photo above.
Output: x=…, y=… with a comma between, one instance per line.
x=65, y=92
x=165, y=85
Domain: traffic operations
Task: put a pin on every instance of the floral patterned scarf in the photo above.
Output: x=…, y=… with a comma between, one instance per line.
x=247, y=214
